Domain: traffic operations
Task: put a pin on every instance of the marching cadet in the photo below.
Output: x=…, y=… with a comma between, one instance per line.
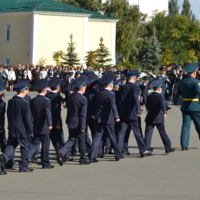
x=42, y=123
x=90, y=94
x=118, y=75
x=155, y=117
x=77, y=74
x=67, y=86
x=105, y=116
x=189, y=88
x=166, y=85
x=56, y=135
x=138, y=82
x=176, y=77
x=19, y=126
x=123, y=80
x=130, y=111
x=144, y=90
x=76, y=121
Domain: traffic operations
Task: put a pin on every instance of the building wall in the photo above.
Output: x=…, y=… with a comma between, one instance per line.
x=98, y=29
x=53, y=35
x=18, y=48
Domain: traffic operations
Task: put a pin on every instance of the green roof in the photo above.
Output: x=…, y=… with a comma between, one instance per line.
x=45, y=5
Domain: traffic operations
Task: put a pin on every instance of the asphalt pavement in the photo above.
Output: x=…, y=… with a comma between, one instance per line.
x=173, y=176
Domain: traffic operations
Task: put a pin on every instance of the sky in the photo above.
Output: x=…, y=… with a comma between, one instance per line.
x=195, y=5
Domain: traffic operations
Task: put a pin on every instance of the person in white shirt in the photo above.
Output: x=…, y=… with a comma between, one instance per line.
x=11, y=78
x=43, y=73
x=27, y=74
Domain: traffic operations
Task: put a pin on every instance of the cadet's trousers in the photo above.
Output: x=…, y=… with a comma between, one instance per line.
x=57, y=138
x=126, y=139
x=3, y=141
x=45, y=140
x=73, y=135
x=100, y=129
x=161, y=129
x=13, y=142
x=188, y=116
x=137, y=132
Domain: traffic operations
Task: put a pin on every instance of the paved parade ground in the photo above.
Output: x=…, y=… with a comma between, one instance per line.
x=160, y=177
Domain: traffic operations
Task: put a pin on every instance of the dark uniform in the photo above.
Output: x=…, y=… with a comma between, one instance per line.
x=57, y=136
x=129, y=111
x=105, y=116
x=42, y=120
x=189, y=88
x=67, y=87
x=19, y=126
x=144, y=91
x=76, y=121
x=155, y=117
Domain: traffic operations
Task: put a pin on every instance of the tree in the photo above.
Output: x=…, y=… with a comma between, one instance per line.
x=167, y=57
x=102, y=54
x=91, y=58
x=190, y=56
x=71, y=58
x=186, y=10
x=57, y=56
x=173, y=7
x=42, y=61
x=152, y=55
x=127, y=27
x=93, y=5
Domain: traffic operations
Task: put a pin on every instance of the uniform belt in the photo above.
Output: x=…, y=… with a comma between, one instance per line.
x=188, y=99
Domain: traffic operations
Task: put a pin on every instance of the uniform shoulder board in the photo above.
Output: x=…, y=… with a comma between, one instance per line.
x=46, y=98
x=199, y=83
x=111, y=92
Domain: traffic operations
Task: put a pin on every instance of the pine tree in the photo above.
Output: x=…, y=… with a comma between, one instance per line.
x=91, y=58
x=102, y=54
x=152, y=55
x=173, y=7
x=187, y=9
x=71, y=57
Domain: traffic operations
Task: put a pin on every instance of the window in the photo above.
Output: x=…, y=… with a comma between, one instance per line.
x=7, y=33
x=7, y=61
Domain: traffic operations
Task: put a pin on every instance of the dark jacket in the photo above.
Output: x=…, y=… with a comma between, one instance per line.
x=77, y=111
x=156, y=108
x=19, y=117
x=106, y=110
x=129, y=101
x=41, y=112
x=56, y=101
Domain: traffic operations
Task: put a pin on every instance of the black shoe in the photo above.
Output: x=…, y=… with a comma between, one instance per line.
x=119, y=158
x=48, y=167
x=9, y=164
x=184, y=149
x=84, y=162
x=59, y=158
x=168, y=108
x=74, y=154
x=100, y=156
x=127, y=154
x=2, y=171
x=93, y=161
x=65, y=159
x=33, y=159
x=26, y=170
x=2, y=162
x=70, y=158
x=170, y=150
